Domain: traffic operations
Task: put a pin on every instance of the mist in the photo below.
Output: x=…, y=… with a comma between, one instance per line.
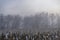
x=28, y=14
x=29, y=7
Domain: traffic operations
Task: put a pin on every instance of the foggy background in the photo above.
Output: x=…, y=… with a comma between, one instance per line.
x=30, y=15
x=28, y=7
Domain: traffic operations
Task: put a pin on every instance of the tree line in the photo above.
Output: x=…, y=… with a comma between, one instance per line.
x=37, y=21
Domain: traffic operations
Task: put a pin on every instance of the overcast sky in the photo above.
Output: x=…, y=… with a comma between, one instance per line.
x=27, y=7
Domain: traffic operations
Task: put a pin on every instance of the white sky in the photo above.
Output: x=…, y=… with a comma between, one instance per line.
x=27, y=7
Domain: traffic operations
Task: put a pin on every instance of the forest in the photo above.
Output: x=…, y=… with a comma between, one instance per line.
x=37, y=22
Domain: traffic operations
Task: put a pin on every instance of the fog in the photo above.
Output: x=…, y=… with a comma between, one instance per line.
x=29, y=7
x=37, y=14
